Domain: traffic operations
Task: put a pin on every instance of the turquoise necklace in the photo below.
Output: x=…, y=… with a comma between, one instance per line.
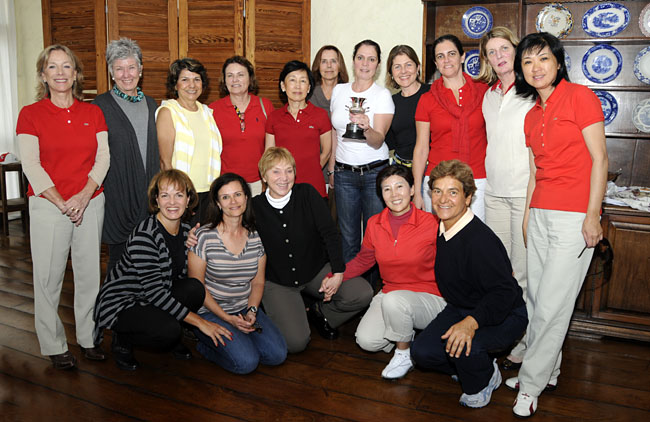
x=129, y=98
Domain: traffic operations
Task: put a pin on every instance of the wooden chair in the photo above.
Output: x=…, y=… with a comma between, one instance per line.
x=17, y=204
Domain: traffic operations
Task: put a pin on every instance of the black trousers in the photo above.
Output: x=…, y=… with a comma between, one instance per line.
x=151, y=327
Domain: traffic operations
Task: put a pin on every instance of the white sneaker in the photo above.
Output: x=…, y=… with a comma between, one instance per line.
x=398, y=366
x=482, y=398
x=525, y=405
x=513, y=384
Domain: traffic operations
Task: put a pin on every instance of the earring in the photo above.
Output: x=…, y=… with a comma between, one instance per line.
x=140, y=74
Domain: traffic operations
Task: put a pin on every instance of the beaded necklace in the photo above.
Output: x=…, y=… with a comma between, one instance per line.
x=129, y=98
x=240, y=114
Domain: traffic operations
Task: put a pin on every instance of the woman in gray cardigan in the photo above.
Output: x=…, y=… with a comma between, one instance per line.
x=133, y=143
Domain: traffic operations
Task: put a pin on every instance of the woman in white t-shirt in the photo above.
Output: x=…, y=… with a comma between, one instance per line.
x=355, y=163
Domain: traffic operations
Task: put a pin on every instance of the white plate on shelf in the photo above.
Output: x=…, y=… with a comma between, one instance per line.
x=555, y=19
x=641, y=116
x=605, y=19
x=642, y=65
x=602, y=63
x=472, y=63
x=476, y=22
x=609, y=104
x=567, y=61
x=644, y=20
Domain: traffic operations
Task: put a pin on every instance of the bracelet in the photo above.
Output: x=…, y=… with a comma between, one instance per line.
x=329, y=173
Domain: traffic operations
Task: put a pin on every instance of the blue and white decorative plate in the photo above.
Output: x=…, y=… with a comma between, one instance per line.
x=641, y=116
x=567, y=61
x=644, y=20
x=642, y=65
x=477, y=21
x=555, y=19
x=472, y=63
x=609, y=104
x=606, y=19
x=602, y=63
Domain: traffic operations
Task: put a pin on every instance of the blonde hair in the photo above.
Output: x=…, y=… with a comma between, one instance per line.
x=487, y=74
x=273, y=156
x=42, y=90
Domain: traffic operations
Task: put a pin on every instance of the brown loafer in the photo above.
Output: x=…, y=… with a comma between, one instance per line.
x=93, y=353
x=65, y=360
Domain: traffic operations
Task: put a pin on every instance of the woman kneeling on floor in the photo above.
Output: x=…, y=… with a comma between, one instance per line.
x=147, y=294
x=402, y=240
x=485, y=309
x=230, y=260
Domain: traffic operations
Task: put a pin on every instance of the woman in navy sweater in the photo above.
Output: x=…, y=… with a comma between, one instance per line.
x=485, y=309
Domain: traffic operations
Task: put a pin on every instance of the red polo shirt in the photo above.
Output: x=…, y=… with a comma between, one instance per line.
x=241, y=150
x=67, y=141
x=562, y=159
x=301, y=136
x=440, y=121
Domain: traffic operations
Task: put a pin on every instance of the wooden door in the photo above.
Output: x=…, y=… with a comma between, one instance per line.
x=79, y=25
x=154, y=25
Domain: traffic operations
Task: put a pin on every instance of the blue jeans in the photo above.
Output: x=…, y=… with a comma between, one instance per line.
x=245, y=351
x=356, y=198
x=474, y=371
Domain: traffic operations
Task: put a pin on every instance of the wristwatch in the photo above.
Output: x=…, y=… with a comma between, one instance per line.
x=329, y=173
x=252, y=309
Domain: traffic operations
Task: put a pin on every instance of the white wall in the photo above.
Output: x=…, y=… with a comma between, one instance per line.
x=29, y=42
x=344, y=23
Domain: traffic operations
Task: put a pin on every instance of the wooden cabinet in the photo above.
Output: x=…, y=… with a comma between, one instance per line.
x=615, y=299
x=269, y=33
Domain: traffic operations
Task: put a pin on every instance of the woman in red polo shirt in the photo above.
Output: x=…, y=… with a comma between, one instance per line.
x=301, y=127
x=449, y=124
x=241, y=118
x=63, y=144
x=565, y=135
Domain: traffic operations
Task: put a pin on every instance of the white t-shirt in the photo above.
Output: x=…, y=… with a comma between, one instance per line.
x=378, y=101
x=506, y=157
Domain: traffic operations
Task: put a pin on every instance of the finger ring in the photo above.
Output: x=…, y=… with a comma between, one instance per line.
x=73, y=209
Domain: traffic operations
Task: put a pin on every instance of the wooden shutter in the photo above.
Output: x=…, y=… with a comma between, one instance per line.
x=276, y=31
x=79, y=25
x=211, y=31
x=154, y=25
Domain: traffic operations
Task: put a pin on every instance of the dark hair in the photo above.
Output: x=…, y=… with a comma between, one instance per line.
x=292, y=66
x=394, y=52
x=181, y=181
x=458, y=170
x=393, y=170
x=315, y=67
x=370, y=43
x=243, y=61
x=536, y=43
x=215, y=214
x=448, y=37
x=193, y=66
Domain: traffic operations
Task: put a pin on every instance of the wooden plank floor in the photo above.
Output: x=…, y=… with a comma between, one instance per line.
x=602, y=380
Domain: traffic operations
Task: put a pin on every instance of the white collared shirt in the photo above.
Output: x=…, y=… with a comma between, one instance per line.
x=460, y=225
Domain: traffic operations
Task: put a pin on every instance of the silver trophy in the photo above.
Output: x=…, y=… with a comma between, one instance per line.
x=352, y=130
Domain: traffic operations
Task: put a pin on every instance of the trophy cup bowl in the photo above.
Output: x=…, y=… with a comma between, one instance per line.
x=352, y=130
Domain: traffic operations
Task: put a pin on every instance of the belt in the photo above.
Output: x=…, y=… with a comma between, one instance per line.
x=402, y=162
x=363, y=167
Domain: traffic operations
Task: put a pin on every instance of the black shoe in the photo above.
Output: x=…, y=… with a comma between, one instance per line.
x=508, y=365
x=123, y=355
x=65, y=360
x=93, y=353
x=181, y=352
x=323, y=327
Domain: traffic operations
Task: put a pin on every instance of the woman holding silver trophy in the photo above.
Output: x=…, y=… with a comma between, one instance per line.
x=361, y=114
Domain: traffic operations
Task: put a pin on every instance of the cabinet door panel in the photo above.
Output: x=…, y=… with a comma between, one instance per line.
x=154, y=25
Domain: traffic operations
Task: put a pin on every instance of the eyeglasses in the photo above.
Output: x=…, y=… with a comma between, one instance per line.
x=240, y=114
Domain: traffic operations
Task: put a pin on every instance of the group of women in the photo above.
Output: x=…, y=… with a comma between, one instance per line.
x=512, y=171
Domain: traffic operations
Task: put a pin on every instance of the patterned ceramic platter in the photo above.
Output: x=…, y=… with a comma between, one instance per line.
x=567, y=61
x=641, y=116
x=472, y=63
x=555, y=19
x=477, y=21
x=609, y=104
x=605, y=20
x=644, y=20
x=642, y=65
x=602, y=63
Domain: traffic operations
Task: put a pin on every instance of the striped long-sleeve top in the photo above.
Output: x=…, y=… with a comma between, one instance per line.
x=142, y=276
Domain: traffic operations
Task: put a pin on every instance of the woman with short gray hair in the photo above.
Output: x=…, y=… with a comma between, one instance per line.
x=133, y=143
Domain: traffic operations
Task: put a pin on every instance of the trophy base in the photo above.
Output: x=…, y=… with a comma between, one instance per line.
x=354, y=132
